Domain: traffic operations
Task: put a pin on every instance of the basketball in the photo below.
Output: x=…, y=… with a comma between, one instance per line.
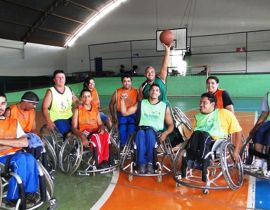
x=166, y=37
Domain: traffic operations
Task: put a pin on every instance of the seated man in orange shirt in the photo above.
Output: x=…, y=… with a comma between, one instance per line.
x=87, y=124
x=12, y=139
x=25, y=113
x=126, y=124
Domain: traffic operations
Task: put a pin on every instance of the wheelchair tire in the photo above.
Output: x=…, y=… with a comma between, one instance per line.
x=51, y=156
x=232, y=171
x=114, y=156
x=48, y=180
x=245, y=155
x=125, y=152
x=70, y=155
x=114, y=135
x=177, y=164
x=53, y=137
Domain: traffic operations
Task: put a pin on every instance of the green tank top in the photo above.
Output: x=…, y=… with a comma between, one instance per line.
x=163, y=91
x=61, y=107
x=210, y=123
x=153, y=115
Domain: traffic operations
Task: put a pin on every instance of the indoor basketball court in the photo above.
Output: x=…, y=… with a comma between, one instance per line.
x=183, y=42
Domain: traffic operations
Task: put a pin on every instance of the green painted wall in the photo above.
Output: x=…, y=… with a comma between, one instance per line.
x=247, y=85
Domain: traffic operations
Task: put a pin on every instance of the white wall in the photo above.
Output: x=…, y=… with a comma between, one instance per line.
x=139, y=19
x=30, y=59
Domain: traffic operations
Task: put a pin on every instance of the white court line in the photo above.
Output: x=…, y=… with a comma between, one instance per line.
x=107, y=192
x=251, y=193
x=252, y=183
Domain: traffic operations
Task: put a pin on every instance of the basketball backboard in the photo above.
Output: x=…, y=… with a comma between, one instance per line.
x=180, y=39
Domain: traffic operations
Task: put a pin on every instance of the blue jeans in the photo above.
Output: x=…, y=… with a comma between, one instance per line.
x=126, y=126
x=25, y=165
x=145, y=142
x=262, y=134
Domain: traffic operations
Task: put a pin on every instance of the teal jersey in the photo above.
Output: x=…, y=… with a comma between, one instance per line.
x=153, y=114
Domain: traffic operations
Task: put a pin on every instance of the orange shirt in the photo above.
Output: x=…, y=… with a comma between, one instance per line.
x=131, y=100
x=95, y=102
x=8, y=130
x=25, y=118
x=218, y=95
x=88, y=119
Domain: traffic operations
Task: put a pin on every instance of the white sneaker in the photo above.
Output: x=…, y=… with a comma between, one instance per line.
x=256, y=165
x=264, y=169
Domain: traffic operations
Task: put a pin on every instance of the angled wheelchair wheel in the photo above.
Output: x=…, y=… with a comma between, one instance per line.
x=51, y=156
x=124, y=154
x=114, y=135
x=245, y=155
x=180, y=116
x=232, y=170
x=49, y=181
x=114, y=153
x=53, y=137
x=177, y=165
x=70, y=155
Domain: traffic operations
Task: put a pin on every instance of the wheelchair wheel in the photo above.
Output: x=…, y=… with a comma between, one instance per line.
x=232, y=170
x=125, y=152
x=177, y=165
x=245, y=155
x=53, y=137
x=114, y=135
x=49, y=181
x=70, y=155
x=114, y=153
x=52, y=158
x=181, y=117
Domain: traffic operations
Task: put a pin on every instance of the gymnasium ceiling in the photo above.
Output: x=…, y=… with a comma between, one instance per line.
x=49, y=22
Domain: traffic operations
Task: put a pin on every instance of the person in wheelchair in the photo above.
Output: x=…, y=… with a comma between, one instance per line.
x=126, y=124
x=213, y=124
x=89, y=83
x=151, y=114
x=12, y=140
x=260, y=134
x=24, y=112
x=87, y=125
x=57, y=104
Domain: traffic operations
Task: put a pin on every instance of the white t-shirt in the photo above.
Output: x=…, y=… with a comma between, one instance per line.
x=19, y=132
x=264, y=106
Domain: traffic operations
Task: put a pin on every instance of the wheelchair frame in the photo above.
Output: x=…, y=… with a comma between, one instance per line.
x=247, y=153
x=46, y=190
x=221, y=164
x=127, y=163
x=73, y=157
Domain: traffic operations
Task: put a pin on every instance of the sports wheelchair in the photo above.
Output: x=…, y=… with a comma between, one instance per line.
x=164, y=153
x=73, y=157
x=207, y=173
x=248, y=152
x=163, y=158
x=46, y=189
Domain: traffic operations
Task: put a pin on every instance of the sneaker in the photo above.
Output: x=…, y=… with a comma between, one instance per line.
x=256, y=165
x=264, y=169
x=142, y=169
x=32, y=199
x=150, y=169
